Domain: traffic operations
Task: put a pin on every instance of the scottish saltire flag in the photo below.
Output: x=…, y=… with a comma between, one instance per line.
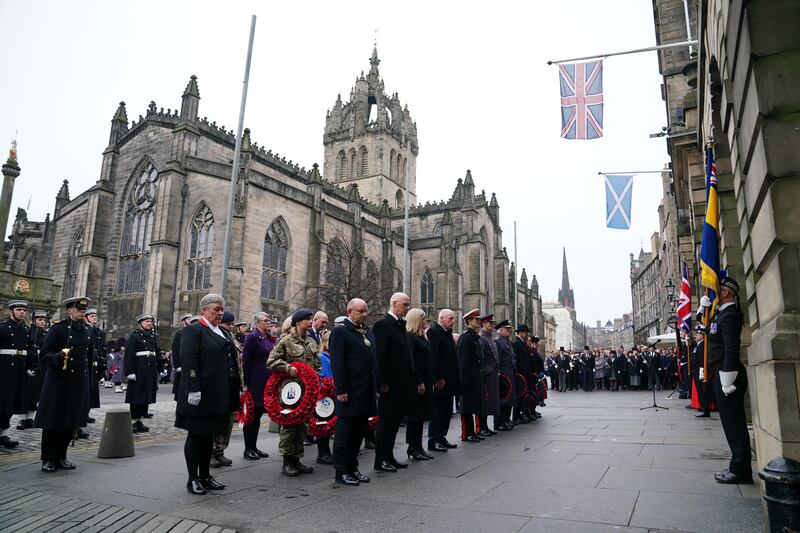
x=581, y=100
x=618, y=201
x=709, y=247
x=684, y=310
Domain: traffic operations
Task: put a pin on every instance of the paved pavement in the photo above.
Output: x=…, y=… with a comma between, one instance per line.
x=594, y=463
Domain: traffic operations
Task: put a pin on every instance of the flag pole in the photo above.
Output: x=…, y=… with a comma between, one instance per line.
x=516, y=292
x=626, y=52
x=636, y=172
x=226, y=250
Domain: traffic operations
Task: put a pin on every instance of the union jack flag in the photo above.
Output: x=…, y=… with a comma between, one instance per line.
x=684, y=310
x=581, y=100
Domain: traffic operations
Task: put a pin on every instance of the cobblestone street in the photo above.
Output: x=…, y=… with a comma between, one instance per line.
x=594, y=463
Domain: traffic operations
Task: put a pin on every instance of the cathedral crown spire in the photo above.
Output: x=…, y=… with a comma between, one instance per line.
x=374, y=62
x=565, y=294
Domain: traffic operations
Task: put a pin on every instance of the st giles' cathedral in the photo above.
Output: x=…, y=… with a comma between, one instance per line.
x=148, y=236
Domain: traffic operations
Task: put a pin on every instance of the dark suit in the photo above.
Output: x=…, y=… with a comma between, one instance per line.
x=355, y=373
x=445, y=366
x=142, y=354
x=470, y=361
x=724, y=342
x=397, y=372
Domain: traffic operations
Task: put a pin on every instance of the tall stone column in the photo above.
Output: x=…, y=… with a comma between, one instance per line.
x=10, y=172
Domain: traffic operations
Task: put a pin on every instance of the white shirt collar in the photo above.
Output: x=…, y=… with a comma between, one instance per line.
x=393, y=315
x=723, y=306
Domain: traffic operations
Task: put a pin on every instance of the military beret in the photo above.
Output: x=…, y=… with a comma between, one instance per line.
x=143, y=317
x=730, y=283
x=475, y=313
x=503, y=324
x=14, y=304
x=227, y=317
x=522, y=328
x=81, y=302
x=91, y=311
x=187, y=316
x=489, y=317
x=301, y=314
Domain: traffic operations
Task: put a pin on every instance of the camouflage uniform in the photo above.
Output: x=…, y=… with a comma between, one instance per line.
x=290, y=349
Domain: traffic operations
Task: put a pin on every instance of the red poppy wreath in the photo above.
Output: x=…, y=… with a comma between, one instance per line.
x=246, y=412
x=289, y=401
x=323, y=418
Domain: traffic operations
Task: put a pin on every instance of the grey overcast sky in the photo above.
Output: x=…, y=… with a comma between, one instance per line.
x=473, y=74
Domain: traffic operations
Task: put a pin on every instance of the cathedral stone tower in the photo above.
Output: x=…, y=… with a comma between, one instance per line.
x=372, y=141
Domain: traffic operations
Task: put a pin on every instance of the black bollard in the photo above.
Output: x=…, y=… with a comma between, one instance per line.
x=782, y=492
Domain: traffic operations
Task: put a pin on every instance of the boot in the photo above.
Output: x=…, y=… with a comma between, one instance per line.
x=300, y=467
x=138, y=427
x=288, y=467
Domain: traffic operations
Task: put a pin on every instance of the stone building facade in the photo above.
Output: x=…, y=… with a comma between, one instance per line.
x=569, y=333
x=739, y=92
x=148, y=236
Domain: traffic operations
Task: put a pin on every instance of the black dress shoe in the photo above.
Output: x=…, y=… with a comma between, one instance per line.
x=195, y=487
x=492, y=432
x=147, y=415
x=325, y=460
x=210, y=483
x=24, y=424
x=504, y=427
x=415, y=454
x=63, y=464
x=48, y=466
x=362, y=478
x=729, y=478
x=426, y=454
x=398, y=464
x=139, y=427
x=385, y=466
x=447, y=444
x=703, y=414
x=6, y=442
x=346, y=479
x=261, y=454
x=81, y=434
x=437, y=447
x=251, y=454
x=485, y=433
x=471, y=438
x=90, y=420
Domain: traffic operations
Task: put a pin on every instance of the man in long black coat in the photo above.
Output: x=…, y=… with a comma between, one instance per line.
x=16, y=365
x=398, y=380
x=97, y=366
x=524, y=367
x=470, y=362
x=447, y=384
x=38, y=332
x=142, y=354
x=176, y=355
x=66, y=355
x=355, y=376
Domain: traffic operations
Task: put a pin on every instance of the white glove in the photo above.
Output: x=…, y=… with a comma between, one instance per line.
x=131, y=377
x=727, y=379
x=31, y=373
x=705, y=303
x=194, y=398
x=701, y=373
x=178, y=369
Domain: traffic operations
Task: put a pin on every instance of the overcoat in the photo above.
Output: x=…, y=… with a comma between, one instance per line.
x=490, y=401
x=421, y=355
x=15, y=340
x=395, y=366
x=470, y=360
x=142, y=354
x=444, y=360
x=355, y=369
x=505, y=350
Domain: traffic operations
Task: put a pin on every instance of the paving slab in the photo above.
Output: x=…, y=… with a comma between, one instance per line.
x=697, y=513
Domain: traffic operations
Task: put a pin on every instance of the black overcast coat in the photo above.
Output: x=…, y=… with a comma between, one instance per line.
x=395, y=366
x=470, y=359
x=444, y=360
x=64, y=402
x=355, y=370
x=143, y=390
x=13, y=377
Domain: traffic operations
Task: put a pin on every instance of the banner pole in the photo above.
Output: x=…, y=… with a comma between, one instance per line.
x=635, y=51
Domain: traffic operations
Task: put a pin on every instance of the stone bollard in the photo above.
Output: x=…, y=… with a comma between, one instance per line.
x=117, y=438
x=782, y=492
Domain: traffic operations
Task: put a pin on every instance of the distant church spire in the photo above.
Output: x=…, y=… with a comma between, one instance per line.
x=565, y=295
x=374, y=62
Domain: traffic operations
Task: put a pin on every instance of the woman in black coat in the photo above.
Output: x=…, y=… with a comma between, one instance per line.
x=416, y=323
x=202, y=407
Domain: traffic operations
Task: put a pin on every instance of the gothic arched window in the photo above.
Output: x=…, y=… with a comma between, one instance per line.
x=399, y=167
x=134, y=251
x=276, y=250
x=72, y=264
x=341, y=169
x=30, y=262
x=353, y=163
x=363, y=162
x=426, y=289
x=391, y=164
x=201, y=250
x=334, y=264
x=399, y=199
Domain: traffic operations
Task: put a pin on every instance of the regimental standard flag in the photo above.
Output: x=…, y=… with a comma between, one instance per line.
x=684, y=310
x=709, y=248
x=618, y=201
x=581, y=100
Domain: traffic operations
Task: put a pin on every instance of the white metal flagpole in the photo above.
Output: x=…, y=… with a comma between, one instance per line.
x=237, y=152
x=405, y=237
x=516, y=291
x=635, y=51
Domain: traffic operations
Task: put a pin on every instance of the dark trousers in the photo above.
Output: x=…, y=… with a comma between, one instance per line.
x=197, y=451
x=138, y=410
x=588, y=380
x=250, y=431
x=703, y=396
x=505, y=415
x=5, y=421
x=467, y=426
x=441, y=411
x=385, y=436
x=414, y=434
x=349, y=432
x=562, y=380
x=55, y=442
x=222, y=440
x=734, y=423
